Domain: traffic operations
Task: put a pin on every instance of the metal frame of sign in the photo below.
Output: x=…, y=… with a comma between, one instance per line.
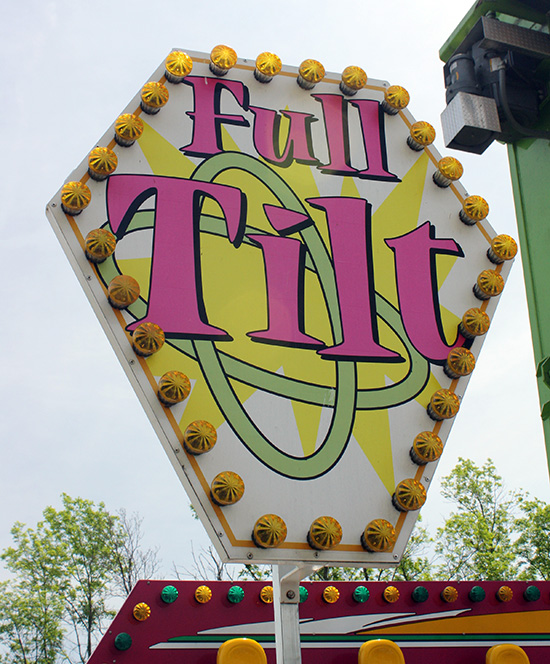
x=309, y=277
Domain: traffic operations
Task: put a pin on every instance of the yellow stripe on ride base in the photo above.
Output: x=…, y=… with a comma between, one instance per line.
x=517, y=622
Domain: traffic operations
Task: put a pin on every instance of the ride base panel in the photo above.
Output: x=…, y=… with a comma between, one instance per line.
x=175, y=622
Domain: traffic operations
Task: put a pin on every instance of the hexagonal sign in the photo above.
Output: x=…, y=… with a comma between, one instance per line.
x=297, y=287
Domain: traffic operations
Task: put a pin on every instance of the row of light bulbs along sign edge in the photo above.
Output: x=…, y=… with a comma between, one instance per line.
x=227, y=488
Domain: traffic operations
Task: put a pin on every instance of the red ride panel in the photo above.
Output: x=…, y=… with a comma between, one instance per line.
x=428, y=630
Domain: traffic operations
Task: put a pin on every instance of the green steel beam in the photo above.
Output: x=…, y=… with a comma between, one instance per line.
x=530, y=170
x=534, y=12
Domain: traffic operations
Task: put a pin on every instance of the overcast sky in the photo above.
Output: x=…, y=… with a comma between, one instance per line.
x=71, y=422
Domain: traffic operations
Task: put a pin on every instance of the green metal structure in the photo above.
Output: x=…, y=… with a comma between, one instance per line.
x=526, y=13
x=530, y=169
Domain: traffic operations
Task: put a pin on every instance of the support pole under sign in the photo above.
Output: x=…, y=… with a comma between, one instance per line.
x=286, y=600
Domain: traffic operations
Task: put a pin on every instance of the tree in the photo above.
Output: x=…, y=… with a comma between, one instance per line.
x=476, y=539
x=255, y=572
x=64, y=573
x=416, y=564
x=533, y=544
x=30, y=624
x=88, y=535
x=132, y=562
x=31, y=606
x=207, y=565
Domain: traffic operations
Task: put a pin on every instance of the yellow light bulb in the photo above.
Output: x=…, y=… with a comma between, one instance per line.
x=505, y=594
x=474, y=209
x=391, y=594
x=449, y=594
x=489, y=284
x=396, y=99
x=128, y=128
x=409, y=495
x=141, y=611
x=460, y=362
x=331, y=594
x=474, y=323
x=222, y=59
x=379, y=536
x=325, y=533
x=101, y=163
x=421, y=135
x=154, y=96
x=199, y=437
x=148, y=338
x=123, y=291
x=269, y=531
x=449, y=170
x=178, y=65
x=503, y=248
x=203, y=594
x=310, y=73
x=353, y=79
x=227, y=488
x=75, y=196
x=443, y=405
x=174, y=387
x=99, y=245
x=268, y=65
x=427, y=447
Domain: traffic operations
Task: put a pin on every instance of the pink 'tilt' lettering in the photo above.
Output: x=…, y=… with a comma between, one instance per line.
x=349, y=221
x=284, y=259
x=206, y=116
x=175, y=293
x=415, y=264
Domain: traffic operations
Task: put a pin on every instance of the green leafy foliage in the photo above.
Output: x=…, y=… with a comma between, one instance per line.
x=31, y=607
x=64, y=572
x=255, y=572
x=476, y=541
x=88, y=534
x=417, y=561
x=533, y=544
x=30, y=623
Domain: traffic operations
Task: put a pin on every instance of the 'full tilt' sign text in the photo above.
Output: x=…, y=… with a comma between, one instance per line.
x=175, y=297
